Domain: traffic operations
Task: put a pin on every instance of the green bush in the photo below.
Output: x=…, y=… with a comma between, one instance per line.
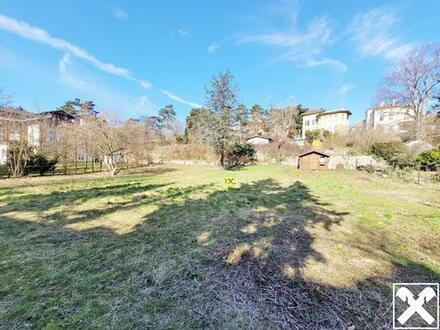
x=388, y=151
x=316, y=134
x=430, y=159
x=393, y=153
x=241, y=154
x=41, y=163
x=3, y=170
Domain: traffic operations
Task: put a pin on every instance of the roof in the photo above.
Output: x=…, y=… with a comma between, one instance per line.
x=335, y=111
x=313, y=152
x=391, y=106
x=16, y=114
x=321, y=112
x=57, y=111
x=258, y=136
x=312, y=112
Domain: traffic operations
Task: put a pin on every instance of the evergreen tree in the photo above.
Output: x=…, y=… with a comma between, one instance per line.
x=222, y=100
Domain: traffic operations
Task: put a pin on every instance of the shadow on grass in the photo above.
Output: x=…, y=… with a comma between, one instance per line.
x=231, y=259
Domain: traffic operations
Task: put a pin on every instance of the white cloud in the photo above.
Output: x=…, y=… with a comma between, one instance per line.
x=179, y=99
x=144, y=101
x=184, y=33
x=145, y=84
x=300, y=46
x=103, y=95
x=375, y=33
x=120, y=14
x=68, y=78
x=39, y=35
x=344, y=89
x=311, y=63
x=213, y=47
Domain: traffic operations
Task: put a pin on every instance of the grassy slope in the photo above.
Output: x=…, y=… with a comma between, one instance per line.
x=174, y=247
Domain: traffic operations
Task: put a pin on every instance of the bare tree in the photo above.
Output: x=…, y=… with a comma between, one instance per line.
x=415, y=81
x=140, y=146
x=282, y=122
x=64, y=144
x=17, y=129
x=16, y=134
x=110, y=138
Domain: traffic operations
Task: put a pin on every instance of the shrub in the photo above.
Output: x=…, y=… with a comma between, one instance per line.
x=317, y=134
x=241, y=154
x=3, y=170
x=430, y=159
x=393, y=153
x=360, y=140
x=199, y=152
x=41, y=163
x=388, y=151
x=278, y=152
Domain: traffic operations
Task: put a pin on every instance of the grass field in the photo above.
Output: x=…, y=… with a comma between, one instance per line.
x=174, y=247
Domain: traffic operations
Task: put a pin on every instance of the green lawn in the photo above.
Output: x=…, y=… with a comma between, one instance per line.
x=174, y=247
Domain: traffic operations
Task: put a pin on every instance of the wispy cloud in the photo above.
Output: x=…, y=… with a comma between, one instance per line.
x=184, y=33
x=106, y=96
x=68, y=78
x=39, y=35
x=340, y=66
x=180, y=100
x=304, y=47
x=120, y=14
x=375, y=33
x=213, y=47
x=144, y=101
x=145, y=84
x=344, y=89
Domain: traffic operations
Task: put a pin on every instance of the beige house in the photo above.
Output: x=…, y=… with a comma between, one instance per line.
x=333, y=121
x=17, y=124
x=389, y=116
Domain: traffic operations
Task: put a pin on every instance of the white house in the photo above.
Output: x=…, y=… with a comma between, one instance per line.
x=258, y=140
x=389, y=116
x=333, y=121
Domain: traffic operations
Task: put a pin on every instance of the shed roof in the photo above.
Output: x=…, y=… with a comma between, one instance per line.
x=313, y=152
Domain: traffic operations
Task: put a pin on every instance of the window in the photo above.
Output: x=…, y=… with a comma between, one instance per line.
x=381, y=117
x=307, y=123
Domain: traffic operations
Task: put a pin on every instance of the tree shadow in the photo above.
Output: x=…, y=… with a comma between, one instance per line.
x=232, y=258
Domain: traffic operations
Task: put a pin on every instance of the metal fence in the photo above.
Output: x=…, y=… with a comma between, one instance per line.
x=66, y=169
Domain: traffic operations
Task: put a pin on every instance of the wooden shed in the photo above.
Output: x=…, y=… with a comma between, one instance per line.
x=313, y=160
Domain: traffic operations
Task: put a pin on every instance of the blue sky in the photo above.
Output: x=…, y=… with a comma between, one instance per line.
x=133, y=57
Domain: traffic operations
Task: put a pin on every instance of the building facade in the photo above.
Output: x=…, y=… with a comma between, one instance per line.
x=334, y=121
x=17, y=126
x=389, y=116
x=35, y=130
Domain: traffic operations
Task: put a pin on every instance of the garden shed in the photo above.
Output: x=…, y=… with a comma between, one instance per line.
x=313, y=160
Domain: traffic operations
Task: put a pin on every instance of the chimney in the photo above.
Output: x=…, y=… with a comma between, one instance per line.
x=393, y=102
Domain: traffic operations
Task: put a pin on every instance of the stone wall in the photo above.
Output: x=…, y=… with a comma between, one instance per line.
x=352, y=162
